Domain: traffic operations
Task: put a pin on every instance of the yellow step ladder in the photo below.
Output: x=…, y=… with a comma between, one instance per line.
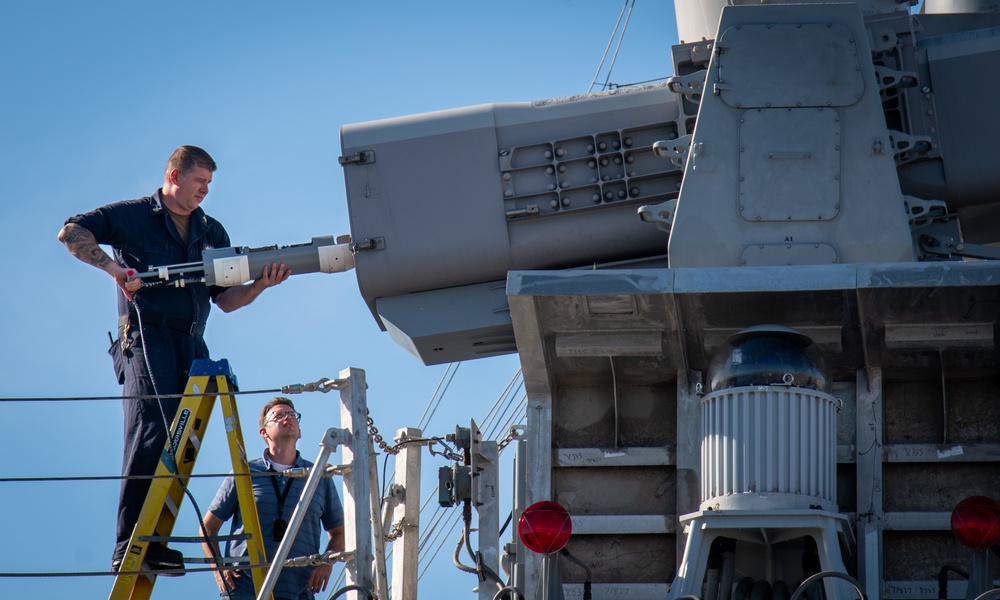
x=207, y=380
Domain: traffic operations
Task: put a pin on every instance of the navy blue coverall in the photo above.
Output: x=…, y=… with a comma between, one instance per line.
x=157, y=358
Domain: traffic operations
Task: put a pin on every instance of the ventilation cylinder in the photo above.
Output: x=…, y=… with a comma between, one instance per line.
x=768, y=425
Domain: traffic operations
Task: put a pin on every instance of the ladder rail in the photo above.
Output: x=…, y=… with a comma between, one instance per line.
x=208, y=379
x=244, y=490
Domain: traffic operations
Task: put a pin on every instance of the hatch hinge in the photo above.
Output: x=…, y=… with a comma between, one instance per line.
x=368, y=244
x=358, y=158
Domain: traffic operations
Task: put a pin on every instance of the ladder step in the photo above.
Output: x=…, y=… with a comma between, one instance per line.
x=226, y=560
x=196, y=539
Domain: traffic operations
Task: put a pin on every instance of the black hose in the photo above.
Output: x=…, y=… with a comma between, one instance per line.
x=509, y=591
x=510, y=516
x=352, y=588
x=809, y=581
x=486, y=572
x=586, y=569
x=943, y=580
x=761, y=590
x=713, y=570
x=173, y=457
x=779, y=591
x=467, y=526
x=743, y=589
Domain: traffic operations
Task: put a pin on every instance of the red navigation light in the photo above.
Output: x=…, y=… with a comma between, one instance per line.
x=544, y=527
x=976, y=522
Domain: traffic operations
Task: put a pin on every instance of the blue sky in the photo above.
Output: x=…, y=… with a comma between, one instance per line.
x=96, y=96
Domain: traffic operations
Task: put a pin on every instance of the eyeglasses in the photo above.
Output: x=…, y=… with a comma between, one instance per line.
x=281, y=416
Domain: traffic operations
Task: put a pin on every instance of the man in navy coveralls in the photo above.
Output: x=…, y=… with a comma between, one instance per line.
x=160, y=328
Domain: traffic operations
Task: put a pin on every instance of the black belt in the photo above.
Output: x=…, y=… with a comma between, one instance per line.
x=157, y=320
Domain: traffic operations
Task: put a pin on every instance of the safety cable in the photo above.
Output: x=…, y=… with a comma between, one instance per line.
x=131, y=477
x=121, y=397
x=455, y=518
x=514, y=431
x=322, y=385
x=435, y=533
x=442, y=516
x=429, y=531
x=435, y=530
x=485, y=421
x=434, y=394
x=290, y=563
x=501, y=425
x=439, y=526
x=504, y=394
x=643, y=82
x=621, y=38
x=610, y=41
x=422, y=424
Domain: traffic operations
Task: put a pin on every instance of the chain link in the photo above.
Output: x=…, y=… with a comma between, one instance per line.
x=320, y=385
x=313, y=560
x=378, y=439
x=396, y=533
x=516, y=432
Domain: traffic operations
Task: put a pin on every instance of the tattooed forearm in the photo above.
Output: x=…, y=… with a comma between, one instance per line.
x=81, y=243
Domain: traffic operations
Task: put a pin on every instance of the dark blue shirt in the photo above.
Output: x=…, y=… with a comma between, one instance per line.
x=142, y=235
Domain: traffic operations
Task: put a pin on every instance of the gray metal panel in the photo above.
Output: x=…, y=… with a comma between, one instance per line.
x=452, y=324
x=604, y=457
x=759, y=255
x=434, y=200
x=459, y=197
x=848, y=307
x=616, y=591
x=770, y=279
x=549, y=283
x=766, y=64
x=957, y=62
x=870, y=225
x=787, y=176
x=636, y=524
x=612, y=231
x=955, y=55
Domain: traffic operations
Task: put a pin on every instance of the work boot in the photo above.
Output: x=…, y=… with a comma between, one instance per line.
x=158, y=558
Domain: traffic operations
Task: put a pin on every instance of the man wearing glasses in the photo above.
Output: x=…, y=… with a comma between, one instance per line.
x=276, y=497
